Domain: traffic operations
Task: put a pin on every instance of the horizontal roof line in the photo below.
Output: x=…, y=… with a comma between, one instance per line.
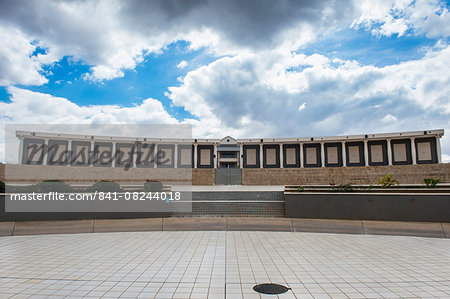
x=396, y=135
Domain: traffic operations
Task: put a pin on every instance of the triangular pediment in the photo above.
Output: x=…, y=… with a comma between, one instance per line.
x=228, y=140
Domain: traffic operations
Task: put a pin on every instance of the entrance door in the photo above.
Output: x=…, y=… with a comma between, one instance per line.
x=228, y=175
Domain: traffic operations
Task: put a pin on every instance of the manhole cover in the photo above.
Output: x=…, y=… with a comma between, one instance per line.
x=270, y=288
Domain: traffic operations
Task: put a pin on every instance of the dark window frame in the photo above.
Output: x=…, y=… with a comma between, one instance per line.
x=251, y=146
x=172, y=155
x=185, y=146
x=73, y=153
x=408, y=151
x=361, y=153
x=138, y=150
x=277, y=155
x=434, y=157
x=297, y=155
x=339, y=149
x=318, y=155
x=383, y=143
x=52, y=142
x=211, y=148
x=25, y=152
x=95, y=154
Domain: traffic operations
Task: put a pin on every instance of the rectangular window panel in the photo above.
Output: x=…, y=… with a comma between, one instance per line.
x=35, y=152
x=186, y=156
x=353, y=154
x=332, y=155
x=205, y=157
x=146, y=154
x=376, y=152
x=424, y=151
x=251, y=156
x=291, y=156
x=271, y=156
x=82, y=154
x=311, y=155
x=400, y=152
x=167, y=152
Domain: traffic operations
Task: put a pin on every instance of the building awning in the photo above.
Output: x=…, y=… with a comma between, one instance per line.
x=228, y=149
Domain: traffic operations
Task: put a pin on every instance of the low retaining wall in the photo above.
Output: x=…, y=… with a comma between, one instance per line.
x=218, y=204
x=405, y=174
x=367, y=206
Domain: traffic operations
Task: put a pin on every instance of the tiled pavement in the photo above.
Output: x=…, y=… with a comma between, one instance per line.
x=219, y=264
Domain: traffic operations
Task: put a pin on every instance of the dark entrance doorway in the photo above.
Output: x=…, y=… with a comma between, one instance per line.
x=228, y=175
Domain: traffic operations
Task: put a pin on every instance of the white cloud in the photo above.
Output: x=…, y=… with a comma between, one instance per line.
x=17, y=65
x=113, y=36
x=302, y=106
x=446, y=158
x=255, y=95
x=34, y=107
x=388, y=17
x=182, y=64
x=28, y=107
x=389, y=118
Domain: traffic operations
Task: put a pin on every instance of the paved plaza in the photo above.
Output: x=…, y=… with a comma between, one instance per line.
x=223, y=264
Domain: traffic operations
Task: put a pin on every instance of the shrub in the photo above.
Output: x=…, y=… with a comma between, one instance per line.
x=430, y=182
x=153, y=186
x=51, y=186
x=388, y=181
x=366, y=188
x=300, y=189
x=343, y=188
x=105, y=186
x=2, y=187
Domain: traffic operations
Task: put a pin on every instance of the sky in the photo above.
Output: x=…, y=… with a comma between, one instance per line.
x=253, y=68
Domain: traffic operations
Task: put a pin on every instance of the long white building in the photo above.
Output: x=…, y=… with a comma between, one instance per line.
x=418, y=147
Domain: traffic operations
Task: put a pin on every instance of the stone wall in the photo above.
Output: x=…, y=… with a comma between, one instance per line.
x=405, y=174
x=36, y=173
x=2, y=172
x=204, y=176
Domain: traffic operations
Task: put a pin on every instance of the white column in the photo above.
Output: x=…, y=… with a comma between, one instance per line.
x=302, y=159
x=389, y=152
x=195, y=155
x=91, y=154
x=322, y=154
x=261, y=155
x=215, y=155
x=69, y=152
x=366, y=153
x=44, y=161
x=134, y=157
x=413, y=150
x=344, y=155
x=281, y=156
x=241, y=154
x=175, y=156
x=113, y=154
x=155, y=154
x=20, y=150
x=438, y=149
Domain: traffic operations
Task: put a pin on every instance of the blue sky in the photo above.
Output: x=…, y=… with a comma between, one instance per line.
x=240, y=68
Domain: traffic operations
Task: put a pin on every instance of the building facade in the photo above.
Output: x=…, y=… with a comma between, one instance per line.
x=405, y=148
